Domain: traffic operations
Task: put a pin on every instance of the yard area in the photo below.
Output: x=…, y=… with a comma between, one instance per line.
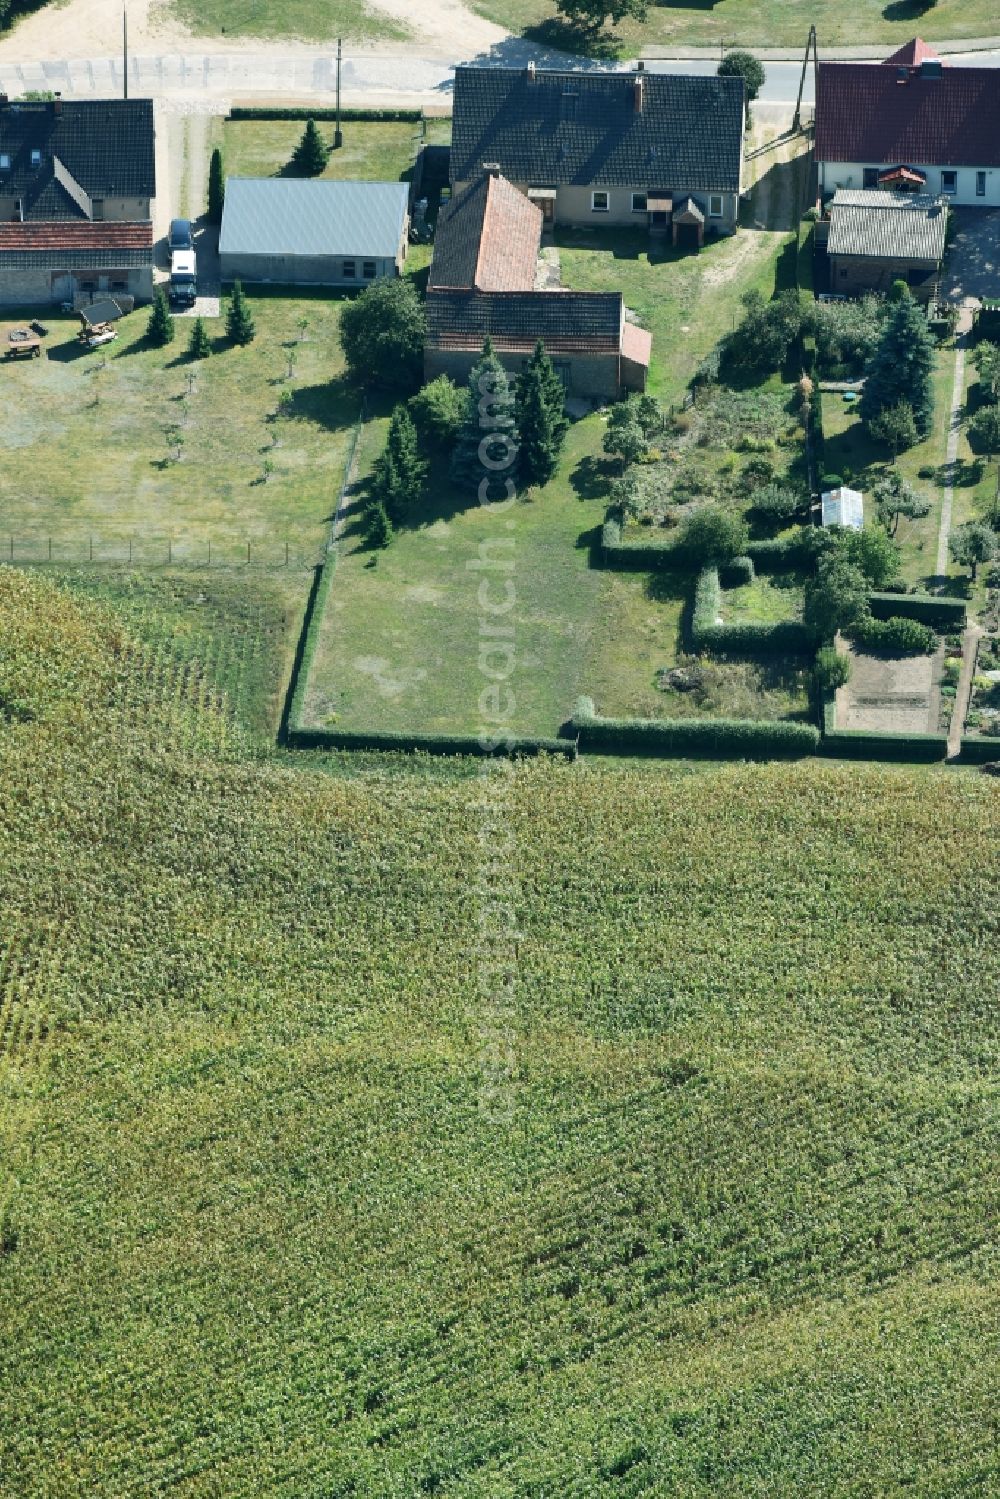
x=308, y=20
x=399, y=647
x=137, y=443
x=382, y=151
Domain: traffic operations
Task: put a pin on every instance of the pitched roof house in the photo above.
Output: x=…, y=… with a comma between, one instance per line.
x=877, y=237
x=300, y=232
x=77, y=183
x=483, y=283
x=605, y=147
x=911, y=122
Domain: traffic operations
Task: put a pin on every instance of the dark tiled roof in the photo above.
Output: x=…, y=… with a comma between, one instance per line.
x=586, y=128
x=487, y=237
x=105, y=145
x=864, y=114
x=75, y=260
x=567, y=322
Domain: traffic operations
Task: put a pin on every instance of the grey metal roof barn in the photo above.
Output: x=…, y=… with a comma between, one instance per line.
x=878, y=224
x=605, y=127
x=286, y=216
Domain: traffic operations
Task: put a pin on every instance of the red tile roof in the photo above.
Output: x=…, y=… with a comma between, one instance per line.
x=865, y=114
x=512, y=233
x=912, y=54
x=75, y=234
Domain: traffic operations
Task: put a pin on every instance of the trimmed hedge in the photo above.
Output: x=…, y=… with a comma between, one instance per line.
x=780, y=553
x=289, y=112
x=895, y=636
x=979, y=749
x=945, y=615
x=691, y=738
x=428, y=744
x=869, y=744
x=737, y=572
x=788, y=637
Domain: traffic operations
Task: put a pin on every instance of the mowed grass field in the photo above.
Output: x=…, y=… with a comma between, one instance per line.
x=380, y=152
x=306, y=20
x=773, y=23
x=88, y=452
x=294, y=1202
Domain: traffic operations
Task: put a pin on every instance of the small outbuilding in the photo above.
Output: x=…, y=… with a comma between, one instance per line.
x=878, y=236
x=843, y=507
x=299, y=232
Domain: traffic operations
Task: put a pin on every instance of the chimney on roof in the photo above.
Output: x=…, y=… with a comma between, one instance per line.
x=532, y=72
x=640, y=66
x=639, y=94
x=902, y=75
x=57, y=104
x=491, y=168
x=4, y=101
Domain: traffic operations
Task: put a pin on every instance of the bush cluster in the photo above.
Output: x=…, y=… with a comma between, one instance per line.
x=895, y=636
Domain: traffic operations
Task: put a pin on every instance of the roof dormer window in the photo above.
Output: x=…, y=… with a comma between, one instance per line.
x=36, y=158
x=4, y=161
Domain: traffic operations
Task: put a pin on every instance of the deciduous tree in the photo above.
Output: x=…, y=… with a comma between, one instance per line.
x=973, y=544
x=744, y=65
x=382, y=332
x=590, y=15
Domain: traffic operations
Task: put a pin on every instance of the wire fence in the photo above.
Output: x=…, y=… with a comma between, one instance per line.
x=152, y=549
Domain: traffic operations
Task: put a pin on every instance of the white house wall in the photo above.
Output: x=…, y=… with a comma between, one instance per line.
x=834, y=174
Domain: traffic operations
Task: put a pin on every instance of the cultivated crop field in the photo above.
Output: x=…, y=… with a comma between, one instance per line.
x=292, y=1203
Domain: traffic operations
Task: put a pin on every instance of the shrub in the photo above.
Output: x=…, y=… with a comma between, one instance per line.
x=160, y=328
x=777, y=503
x=895, y=636
x=383, y=332
x=437, y=411
x=831, y=669
x=311, y=154
x=737, y=572
x=713, y=536
x=830, y=481
x=239, y=323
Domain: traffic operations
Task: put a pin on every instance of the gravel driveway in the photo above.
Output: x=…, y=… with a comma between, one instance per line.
x=972, y=263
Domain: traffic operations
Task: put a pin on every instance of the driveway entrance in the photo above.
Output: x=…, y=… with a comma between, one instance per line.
x=972, y=263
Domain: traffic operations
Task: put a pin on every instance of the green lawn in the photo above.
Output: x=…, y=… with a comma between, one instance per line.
x=378, y=152
x=308, y=20
x=92, y=433
x=761, y=600
x=399, y=647
x=299, y=1197
x=771, y=23
x=686, y=299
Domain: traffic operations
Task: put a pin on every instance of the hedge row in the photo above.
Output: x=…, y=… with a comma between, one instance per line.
x=788, y=637
x=290, y=112
x=712, y=738
x=979, y=749
x=780, y=553
x=941, y=614
x=737, y=572
x=869, y=744
x=428, y=744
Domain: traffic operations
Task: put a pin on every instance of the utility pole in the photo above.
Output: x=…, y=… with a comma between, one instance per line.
x=338, y=134
x=810, y=45
x=125, y=47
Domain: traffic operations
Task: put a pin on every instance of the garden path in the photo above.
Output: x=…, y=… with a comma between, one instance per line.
x=951, y=454
x=963, y=691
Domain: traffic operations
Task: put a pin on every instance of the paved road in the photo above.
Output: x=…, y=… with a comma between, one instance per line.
x=211, y=81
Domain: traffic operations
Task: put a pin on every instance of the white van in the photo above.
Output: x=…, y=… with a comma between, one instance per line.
x=183, y=278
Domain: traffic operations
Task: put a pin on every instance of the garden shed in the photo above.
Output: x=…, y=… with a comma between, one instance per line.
x=843, y=507
x=308, y=233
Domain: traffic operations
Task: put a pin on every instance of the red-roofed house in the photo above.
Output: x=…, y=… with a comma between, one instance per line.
x=910, y=123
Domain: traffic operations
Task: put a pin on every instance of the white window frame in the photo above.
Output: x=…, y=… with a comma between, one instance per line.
x=4, y=161
x=980, y=184
x=605, y=207
x=948, y=172
x=713, y=200
x=36, y=158
x=642, y=207
x=352, y=274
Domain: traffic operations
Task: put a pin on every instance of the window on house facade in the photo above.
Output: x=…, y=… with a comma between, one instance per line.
x=350, y=270
x=97, y=206
x=368, y=270
x=639, y=202
x=949, y=182
x=4, y=162
x=600, y=203
x=869, y=177
x=715, y=205
x=980, y=184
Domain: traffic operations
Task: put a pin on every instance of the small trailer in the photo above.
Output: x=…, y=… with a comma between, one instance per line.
x=22, y=344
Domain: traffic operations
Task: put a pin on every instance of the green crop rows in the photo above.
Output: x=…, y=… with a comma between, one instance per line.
x=292, y=1205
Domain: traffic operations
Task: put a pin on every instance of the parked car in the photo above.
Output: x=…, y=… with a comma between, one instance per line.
x=180, y=237
x=183, y=278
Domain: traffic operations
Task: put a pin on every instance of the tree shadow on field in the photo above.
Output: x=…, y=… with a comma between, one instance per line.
x=591, y=477
x=333, y=405
x=906, y=10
